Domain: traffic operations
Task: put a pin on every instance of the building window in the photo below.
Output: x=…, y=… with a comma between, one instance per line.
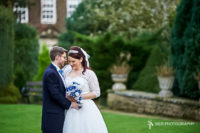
x=71, y=6
x=21, y=13
x=48, y=11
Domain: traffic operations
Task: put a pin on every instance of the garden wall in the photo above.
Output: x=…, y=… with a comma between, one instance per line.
x=149, y=103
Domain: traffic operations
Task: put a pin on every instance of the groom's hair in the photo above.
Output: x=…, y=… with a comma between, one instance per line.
x=54, y=51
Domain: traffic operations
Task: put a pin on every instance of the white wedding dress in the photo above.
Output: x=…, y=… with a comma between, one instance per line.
x=88, y=119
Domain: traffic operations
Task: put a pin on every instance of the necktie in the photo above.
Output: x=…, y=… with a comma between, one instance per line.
x=61, y=72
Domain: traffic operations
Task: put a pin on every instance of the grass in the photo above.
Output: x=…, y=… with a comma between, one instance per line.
x=19, y=118
x=118, y=123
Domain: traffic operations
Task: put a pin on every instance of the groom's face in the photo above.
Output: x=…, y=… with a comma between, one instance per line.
x=62, y=60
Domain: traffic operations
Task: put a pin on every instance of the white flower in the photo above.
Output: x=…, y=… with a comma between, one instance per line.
x=77, y=94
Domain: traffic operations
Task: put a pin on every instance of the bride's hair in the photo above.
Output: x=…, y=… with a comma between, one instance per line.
x=76, y=52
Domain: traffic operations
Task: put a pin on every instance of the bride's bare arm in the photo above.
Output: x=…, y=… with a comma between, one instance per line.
x=89, y=95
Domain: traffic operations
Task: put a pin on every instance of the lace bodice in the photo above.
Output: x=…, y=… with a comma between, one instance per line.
x=88, y=81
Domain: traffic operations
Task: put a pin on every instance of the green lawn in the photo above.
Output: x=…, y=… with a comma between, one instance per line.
x=27, y=119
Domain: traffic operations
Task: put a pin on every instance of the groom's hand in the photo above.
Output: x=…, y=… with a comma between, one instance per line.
x=75, y=105
x=70, y=98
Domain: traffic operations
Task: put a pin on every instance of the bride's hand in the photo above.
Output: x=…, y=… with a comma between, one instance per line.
x=70, y=98
x=75, y=105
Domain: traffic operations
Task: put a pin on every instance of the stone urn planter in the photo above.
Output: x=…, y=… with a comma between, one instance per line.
x=119, y=71
x=119, y=80
x=165, y=84
x=165, y=75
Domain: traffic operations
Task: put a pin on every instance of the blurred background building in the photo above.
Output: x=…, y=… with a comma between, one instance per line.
x=48, y=16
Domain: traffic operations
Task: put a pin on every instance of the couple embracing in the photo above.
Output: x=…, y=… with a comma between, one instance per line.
x=62, y=113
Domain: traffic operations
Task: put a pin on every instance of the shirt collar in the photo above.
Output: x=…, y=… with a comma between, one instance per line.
x=57, y=68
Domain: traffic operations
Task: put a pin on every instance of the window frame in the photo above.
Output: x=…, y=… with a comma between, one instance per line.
x=21, y=17
x=48, y=8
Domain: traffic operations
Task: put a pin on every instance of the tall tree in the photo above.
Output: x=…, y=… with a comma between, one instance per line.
x=185, y=44
x=121, y=17
x=127, y=17
x=10, y=3
x=6, y=46
x=25, y=54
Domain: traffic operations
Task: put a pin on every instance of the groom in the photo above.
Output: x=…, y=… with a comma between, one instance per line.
x=54, y=101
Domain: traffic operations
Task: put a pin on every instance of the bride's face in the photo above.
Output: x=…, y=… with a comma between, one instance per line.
x=75, y=63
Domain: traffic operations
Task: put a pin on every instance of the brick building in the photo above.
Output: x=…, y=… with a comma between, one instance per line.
x=48, y=16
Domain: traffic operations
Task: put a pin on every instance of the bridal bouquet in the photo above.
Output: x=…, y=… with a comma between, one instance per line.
x=75, y=91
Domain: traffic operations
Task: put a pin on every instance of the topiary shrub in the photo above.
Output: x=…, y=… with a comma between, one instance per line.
x=44, y=61
x=147, y=80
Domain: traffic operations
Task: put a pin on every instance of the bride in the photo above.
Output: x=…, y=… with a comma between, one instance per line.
x=88, y=118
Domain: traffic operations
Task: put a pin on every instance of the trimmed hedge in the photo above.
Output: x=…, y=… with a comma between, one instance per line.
x=44, y=61
x=147, y=80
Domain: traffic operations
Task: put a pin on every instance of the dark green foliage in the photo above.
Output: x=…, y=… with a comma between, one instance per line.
x=147, y=80
x=25, y=54
x=6, y=46
x=140, y=48
x=137, y=61
x=10, y=94
x=121, y=17
x=159, y=55
x=10, y=3
x=105, y=50
x=44, y=61
x=80, y=22
x=66, y=40
x=74, y=23
x=102, y=56
x=186, y=48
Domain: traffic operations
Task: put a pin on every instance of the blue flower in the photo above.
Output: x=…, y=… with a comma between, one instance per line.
x=74, y=91
x=75, y=83
x=80, y=98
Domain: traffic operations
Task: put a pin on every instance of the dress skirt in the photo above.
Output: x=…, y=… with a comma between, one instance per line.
x=88, y=119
